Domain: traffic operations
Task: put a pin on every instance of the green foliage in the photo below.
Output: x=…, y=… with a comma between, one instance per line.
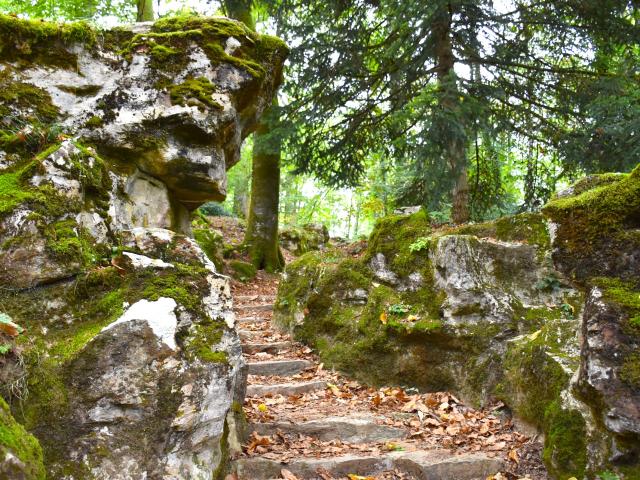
x=419, y=245
x=548, y=283
x=214, y=209
x=608, y=476
x=399, y=309
x=531, y=114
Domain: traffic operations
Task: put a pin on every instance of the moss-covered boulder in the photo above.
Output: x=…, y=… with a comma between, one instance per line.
x=300, y=240
x=433, y=309
x=129, y=365
x=492, y=311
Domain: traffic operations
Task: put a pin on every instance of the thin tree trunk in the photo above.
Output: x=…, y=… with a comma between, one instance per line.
x=455, y=151
x=261, y=237
x=145, y=11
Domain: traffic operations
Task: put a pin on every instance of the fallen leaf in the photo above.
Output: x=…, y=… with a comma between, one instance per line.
x=513, y=455
x=287, y=475
x=383, y=318
x=359, y=477
x=334, y=389
x=258, y=441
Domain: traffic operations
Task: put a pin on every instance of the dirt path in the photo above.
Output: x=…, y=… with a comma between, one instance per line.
x=311, y=423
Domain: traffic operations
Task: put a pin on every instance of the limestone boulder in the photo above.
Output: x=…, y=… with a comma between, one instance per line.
x=129, y=364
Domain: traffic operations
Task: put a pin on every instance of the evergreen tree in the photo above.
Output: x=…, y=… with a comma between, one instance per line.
x=426, y=79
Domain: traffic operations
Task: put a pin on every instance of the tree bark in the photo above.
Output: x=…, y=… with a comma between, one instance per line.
x=455, y=149
x=145, y=11
x=261, y=237
x=240, y=10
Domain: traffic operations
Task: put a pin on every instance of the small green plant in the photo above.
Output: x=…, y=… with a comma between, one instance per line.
x=568, y=311
x=608, y=476
x=548, y=283
x=420, y=244
x=8, y=329
x=399, y=309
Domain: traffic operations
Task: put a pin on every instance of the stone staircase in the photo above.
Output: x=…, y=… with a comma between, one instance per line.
x=294, y=429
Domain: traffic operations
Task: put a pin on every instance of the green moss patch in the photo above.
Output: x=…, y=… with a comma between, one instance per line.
x=16, y=440
x=394, y=235
x=525, y=227
x=627, y=296
x=194, y=91
x=170, y=37
x=202, y=342
x=596, y=223
x=565, y=449
x=26, y=97
x=211, y=244
x=242, y=271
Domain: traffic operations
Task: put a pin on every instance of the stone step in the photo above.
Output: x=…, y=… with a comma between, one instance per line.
x=272, y=348
x=253, y=298
x=285, y=389
x=246, y=334
x=252, y=320
x=282, y=368
x=423, y=465
x=266, y=307
x=362, y=429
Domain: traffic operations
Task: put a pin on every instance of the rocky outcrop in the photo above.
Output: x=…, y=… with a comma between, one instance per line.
x=129, y=365
x=516, y=310
x=300, y=240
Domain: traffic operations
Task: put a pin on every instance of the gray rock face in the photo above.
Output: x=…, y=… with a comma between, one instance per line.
x=484, y=279
x=602, y=373
x=108, y=140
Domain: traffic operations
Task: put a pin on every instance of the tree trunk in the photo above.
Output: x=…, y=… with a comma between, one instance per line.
x=145, y=11
x=240, y=10
x=455, y=150
x=261, y=237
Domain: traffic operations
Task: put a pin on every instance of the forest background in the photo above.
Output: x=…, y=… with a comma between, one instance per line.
x=470, y=109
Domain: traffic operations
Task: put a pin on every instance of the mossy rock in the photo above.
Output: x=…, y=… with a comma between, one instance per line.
x=393, y=236
x=596, y=222
x=212, y=244
x=20, y=452
x=243, y=271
